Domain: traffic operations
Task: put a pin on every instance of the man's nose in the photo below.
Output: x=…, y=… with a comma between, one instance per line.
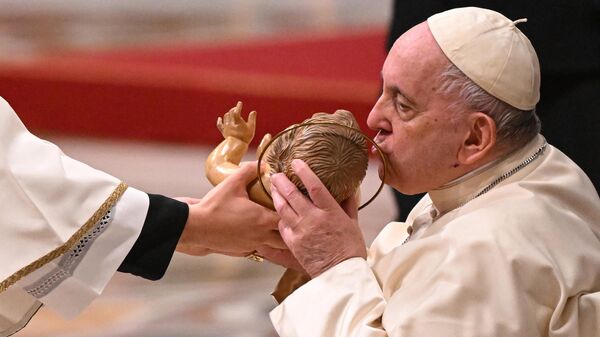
x=374, y=119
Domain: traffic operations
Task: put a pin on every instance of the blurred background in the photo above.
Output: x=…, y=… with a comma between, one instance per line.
x=134, y=88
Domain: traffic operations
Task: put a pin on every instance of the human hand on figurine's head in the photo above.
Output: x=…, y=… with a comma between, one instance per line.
x=338, y=155
x=233, y=124
x=319, y=232
x=227, y=222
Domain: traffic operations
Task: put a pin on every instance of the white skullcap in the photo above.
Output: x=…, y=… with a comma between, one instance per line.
x=488, y=48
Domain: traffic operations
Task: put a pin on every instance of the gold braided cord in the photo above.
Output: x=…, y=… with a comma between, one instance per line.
x=367, y=138
x=97, y=216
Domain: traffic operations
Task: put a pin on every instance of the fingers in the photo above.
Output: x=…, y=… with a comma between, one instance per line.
x=246, y=174
x=319, y=194
x=286, y=232
x=227, y=118
x=220, y=124
x=282, y=257
x=236, y=115
x=272, y=254
x=289, y=193
x=350, y=206
x=263, y=144
x=275, y=241
x=269, y=220
x=284, y=210
x=232, y=254
x=252, y=120
x=233, y=115
x=235, y=111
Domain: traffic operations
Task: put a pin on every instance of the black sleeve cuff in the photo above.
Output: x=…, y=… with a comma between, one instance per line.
x=154, y=248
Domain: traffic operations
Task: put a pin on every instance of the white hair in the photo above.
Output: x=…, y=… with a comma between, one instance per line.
x=514, y=127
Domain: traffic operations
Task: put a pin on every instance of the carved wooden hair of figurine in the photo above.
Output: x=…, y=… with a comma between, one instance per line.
x=337, y=155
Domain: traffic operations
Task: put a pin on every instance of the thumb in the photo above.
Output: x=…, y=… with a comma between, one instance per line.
x=252, y=119
x=350, y=206
x=246, y=174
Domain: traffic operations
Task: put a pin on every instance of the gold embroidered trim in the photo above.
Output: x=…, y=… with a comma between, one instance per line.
x=106, y=206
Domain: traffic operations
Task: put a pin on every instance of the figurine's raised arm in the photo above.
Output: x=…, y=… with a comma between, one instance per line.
x=226, y=157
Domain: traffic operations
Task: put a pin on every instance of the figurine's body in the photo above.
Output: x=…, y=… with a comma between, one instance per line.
x=337, y=155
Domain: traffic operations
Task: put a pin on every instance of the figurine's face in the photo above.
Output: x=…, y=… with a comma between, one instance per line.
x=337, y=155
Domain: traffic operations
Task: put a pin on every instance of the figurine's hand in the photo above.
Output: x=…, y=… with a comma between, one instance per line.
x=263, y=144
x=233, y=125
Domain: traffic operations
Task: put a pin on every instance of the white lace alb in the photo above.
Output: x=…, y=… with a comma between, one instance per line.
x=69, y=261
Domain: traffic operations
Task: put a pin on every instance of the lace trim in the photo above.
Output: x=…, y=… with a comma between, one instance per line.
x=69, y=260
x=107, y=205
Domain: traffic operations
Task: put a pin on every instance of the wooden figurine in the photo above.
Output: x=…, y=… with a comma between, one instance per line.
x=337, y=154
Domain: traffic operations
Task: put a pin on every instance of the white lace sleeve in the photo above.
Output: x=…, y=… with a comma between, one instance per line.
x=70, y=282
x=69, y=261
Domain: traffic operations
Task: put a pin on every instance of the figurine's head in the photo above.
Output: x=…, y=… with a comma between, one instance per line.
x=337, y=155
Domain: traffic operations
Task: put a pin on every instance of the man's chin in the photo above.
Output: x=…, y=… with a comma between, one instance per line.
x=385, y=176
x=406, y=190
x=400, y=186
x=391, y=180
x=380, y=170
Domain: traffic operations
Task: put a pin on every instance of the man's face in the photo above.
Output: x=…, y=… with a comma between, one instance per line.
x=419, y=130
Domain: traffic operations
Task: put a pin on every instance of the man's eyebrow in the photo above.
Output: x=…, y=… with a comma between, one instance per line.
x=401, y=93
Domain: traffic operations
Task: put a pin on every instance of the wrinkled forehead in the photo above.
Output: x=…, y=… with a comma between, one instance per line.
x=415, y=56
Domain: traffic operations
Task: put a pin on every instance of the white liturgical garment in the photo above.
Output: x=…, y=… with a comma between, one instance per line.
x=64, y=227
x=520, y=260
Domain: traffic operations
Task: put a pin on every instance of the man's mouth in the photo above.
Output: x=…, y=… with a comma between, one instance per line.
x=379, y=138
x=381, y=134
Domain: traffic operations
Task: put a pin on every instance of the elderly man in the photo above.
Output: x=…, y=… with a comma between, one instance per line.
x=505, y=243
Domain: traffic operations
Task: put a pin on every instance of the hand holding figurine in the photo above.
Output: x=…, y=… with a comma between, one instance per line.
x=227, y=222
x=319, y=232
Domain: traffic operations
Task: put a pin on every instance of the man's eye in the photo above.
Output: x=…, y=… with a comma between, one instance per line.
x=402, y=107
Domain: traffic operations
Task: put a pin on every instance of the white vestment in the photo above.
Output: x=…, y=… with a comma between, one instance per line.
x=64, y=227
x=520, y=260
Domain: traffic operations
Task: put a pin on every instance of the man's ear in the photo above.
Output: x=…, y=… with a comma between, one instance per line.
x=479, y=140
